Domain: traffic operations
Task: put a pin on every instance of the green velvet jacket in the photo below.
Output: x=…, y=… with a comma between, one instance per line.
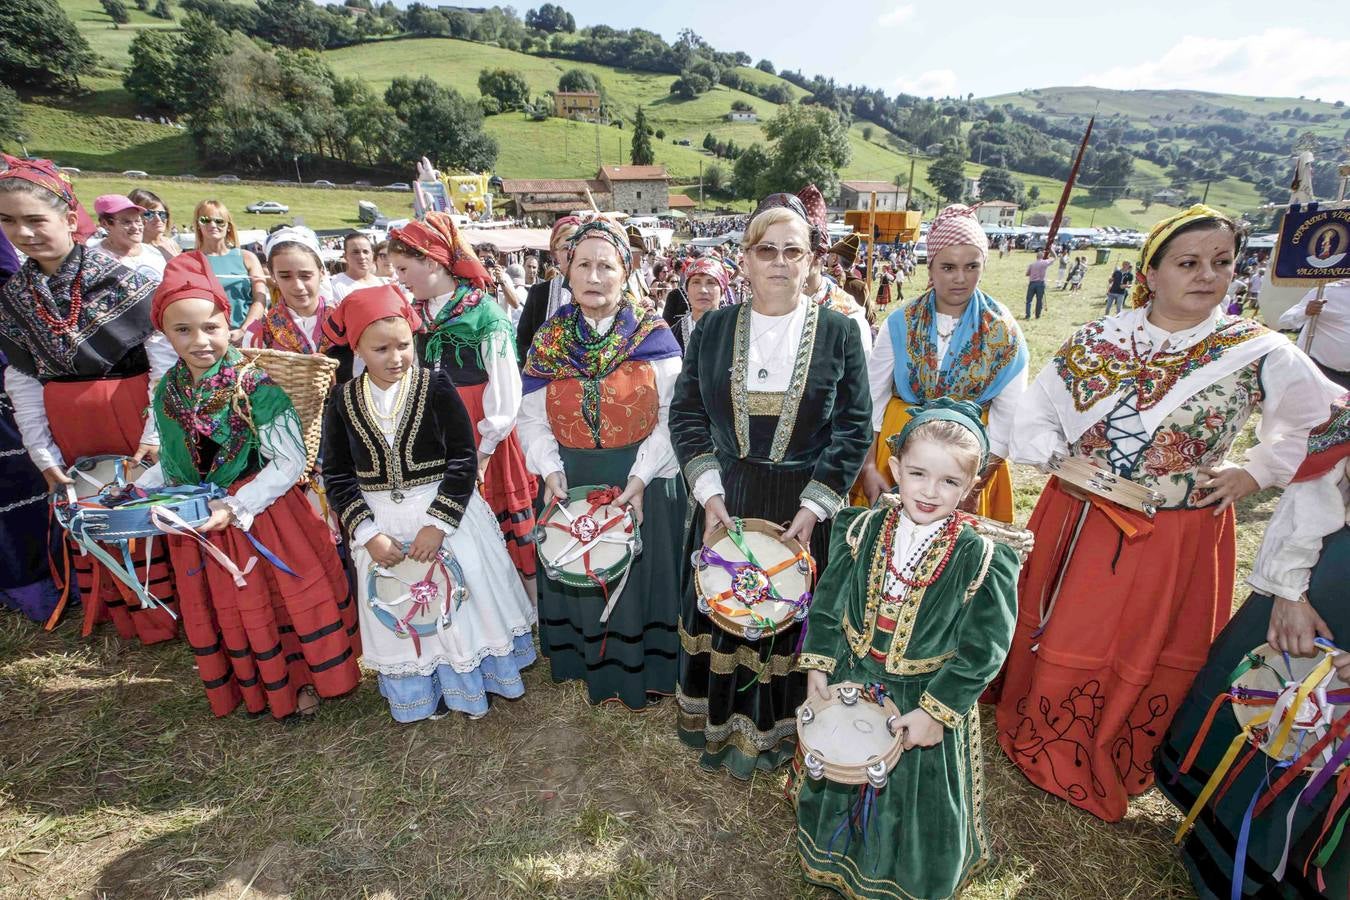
x=955, y=633
x=823, y=419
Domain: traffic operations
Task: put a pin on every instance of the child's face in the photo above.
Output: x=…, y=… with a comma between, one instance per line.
x=931, y=480
x=198, y=331
x=297, y=275
x=425, y=277
x=386, y=347
x=35, y=228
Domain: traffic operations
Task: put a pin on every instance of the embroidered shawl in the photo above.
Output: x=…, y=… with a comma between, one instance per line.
x=228, y=406
x=468, y=319
x=114, y=316
x=566, y=347
x=986, y=351
x=1098, y=363
x=832, y=296
x=278, y=330
x=1328, y=443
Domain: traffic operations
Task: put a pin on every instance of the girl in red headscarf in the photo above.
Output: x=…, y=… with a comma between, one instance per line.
x=400, y=464
x=83, y=362
x=469, y=337
x=281, y=634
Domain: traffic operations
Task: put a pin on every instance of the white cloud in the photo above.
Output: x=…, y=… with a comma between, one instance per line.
x=932, y=83
x=1278, y=62
x=897, y=16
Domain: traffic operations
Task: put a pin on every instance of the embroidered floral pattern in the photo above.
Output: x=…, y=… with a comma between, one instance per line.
x=1093, y=367
x=993, y=347
x=278, y=331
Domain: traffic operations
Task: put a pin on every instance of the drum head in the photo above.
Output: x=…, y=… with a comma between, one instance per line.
x=848, y=733
x=761, y=538
x=93, y=473
x=1277, y=674
x=440, y=585
x=560, y=546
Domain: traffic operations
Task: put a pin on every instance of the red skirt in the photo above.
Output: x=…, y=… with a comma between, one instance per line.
x=92, y=418
x=261, y=643
x=1082, y=712
x=509, y=488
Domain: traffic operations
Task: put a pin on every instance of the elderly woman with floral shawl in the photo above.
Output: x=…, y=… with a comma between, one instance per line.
x=952, y=341
x=1117, y=610
x=598, y=381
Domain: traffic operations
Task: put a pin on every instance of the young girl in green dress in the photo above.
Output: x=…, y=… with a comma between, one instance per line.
x=918, y=602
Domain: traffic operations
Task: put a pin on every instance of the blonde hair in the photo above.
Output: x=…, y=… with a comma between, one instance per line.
x=960, y=440
x=754, y=232
x=215, y=207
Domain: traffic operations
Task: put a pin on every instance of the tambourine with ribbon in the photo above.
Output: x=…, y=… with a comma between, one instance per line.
x=416, y=599
x=750, y=583
x=589, y=542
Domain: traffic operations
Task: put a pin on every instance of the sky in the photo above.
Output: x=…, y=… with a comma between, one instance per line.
x=951, y=49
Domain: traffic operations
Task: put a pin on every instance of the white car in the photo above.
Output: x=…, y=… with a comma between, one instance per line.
x=921, y=252
x=322, y=182
x=227, y=179
x=398, y=186
x=263, y=207
x=135, y=173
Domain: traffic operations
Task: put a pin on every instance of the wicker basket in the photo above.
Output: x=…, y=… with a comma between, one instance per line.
x=306, y=378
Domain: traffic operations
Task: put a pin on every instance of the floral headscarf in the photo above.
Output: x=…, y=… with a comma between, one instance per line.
x=437, y=238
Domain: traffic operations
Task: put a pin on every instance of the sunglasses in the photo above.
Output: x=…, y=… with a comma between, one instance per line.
x=211, y=220
x=160, y=214
x=767, y=253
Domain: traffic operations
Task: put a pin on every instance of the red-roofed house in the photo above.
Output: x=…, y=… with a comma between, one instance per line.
x=638, y=190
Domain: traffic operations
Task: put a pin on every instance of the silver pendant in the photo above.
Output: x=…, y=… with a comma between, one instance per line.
x=763, y=374
x=396, y=496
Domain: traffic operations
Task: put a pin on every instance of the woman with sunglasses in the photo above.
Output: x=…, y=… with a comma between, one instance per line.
x=771, y=419
x=239, y=271
x=155, y=214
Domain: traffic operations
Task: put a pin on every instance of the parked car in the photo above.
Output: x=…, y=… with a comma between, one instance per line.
x=135, y=173
x=70, y=170
x=263, y=207
x=322, y=182
x=399, y=186
x=361, y=183
x=188, y=176
x=921, y=252
x=227, y=179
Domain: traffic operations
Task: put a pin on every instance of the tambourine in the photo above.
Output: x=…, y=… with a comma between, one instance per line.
x=1088, y=476
x=851, y=738
x=588, y=542
x=416, y=599
x=752, y=584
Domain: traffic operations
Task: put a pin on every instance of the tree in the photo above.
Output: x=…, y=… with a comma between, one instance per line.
x=204, y=44
x=810, y=147
x=747, y=173
x=41, y=47
x=295, y=24
x=162, y=10
x=765, y=66
x=660, y=134
x=709, y=141
x=714, y=178
x=151, y=79
x=550, y=18
x=426, y=22
x=441, y=124
x=867, y=132
x=143, y=5
x=507, y=86
x=117, y=11
x=947, y=173
x=578, y=81
x=998, y=184
x=1034, y=193
x=642, y=153
x=11, y=115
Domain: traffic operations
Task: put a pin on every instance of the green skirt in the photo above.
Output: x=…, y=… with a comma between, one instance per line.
x=634, y=655
x=925, y=837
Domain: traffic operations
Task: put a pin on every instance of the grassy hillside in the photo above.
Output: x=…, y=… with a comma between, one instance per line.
x=108, y=40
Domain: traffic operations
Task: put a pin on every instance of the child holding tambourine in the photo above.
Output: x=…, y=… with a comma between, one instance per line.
x=919, y=606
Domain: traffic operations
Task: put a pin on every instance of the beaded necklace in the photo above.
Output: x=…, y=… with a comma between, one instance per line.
x=387, y=423
x=948, y=533
x=51, y=320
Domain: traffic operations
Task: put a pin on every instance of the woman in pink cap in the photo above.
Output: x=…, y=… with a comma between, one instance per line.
x=124, y=223
x=953, y=341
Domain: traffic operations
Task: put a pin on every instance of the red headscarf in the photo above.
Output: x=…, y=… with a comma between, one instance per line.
x=438, y=238
x=187, y=275
x=816, y=214
x=45, y=174
x=346, y=324
x=957, y=224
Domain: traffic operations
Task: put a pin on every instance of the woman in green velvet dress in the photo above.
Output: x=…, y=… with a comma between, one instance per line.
x=771, y=419
x=597, y=386
x=919, y=602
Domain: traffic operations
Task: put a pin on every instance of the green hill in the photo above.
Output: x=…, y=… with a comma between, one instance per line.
x=98, y=131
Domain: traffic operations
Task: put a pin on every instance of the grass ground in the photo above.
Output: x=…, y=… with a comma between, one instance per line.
x=116, y=782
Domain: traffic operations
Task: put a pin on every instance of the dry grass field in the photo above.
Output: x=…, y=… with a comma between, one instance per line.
x=115, y=781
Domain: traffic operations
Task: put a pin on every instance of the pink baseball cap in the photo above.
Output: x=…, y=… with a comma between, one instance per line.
x=112, y=204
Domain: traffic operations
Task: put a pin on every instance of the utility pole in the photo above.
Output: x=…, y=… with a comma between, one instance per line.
x=700, y=181
x=909, y=189
x=1205, y=199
